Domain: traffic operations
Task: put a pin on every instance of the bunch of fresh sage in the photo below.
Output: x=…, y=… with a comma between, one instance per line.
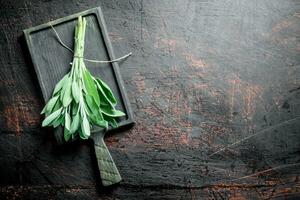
x=80, y=100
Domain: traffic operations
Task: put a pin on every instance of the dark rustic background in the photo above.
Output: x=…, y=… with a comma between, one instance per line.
x=214, y=86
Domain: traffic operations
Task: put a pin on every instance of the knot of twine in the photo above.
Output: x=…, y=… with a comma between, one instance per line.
x=88, y=60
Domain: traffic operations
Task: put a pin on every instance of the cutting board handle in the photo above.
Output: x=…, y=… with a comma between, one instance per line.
x=107, y=167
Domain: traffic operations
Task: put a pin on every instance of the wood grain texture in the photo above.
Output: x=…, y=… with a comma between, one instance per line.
x=108, y=170
x=214, y=86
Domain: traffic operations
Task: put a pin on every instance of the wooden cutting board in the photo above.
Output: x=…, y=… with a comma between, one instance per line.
x=51, y=62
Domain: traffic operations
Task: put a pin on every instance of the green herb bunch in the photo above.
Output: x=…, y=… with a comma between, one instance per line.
x=80, y=100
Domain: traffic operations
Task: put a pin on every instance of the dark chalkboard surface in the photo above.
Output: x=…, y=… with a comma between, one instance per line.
x=52, y=61
x=205, y=75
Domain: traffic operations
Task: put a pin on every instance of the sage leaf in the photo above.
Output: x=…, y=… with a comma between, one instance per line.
x=74, y=108
x=94, y=112
x=75, y=123
x=111, y=112
x=81, y=134
x=106, y=91
x=67, y=134
x=90, y=86
x=51, y=103
x=67, y=97
x=97, y=119
x=101, y=123
x=85, y=127
x=60, y=84
x=44, y=109
x=51, y=117
x=58, y=121
x=111, y=121
x=75, y=91
x=49, y=106
x=91, y=103
x=67, y=121
x=57, y=106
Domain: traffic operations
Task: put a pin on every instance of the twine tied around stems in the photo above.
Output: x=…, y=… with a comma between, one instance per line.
x=88, y=60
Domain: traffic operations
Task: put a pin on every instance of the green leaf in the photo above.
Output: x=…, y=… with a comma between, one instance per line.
x=94, y=112
x=74, y=108
x=58, y=121
x=101, y=123
x=75, y=123
x=97, y=119
x=67, y=134
x=111, y=121
x=111, y=112
x=67, y=121
x=49, y=106
x=51, y=103
x=85, y=127
x=106, y=91
x=60, y=84
x=44, y=109
x=73, y=135
x=104, y=99
x=90, y=86
x=51, y=117
x=75, y=91
x=91, y=103
x=57, y=106
x=67, y=96
x=98, y=115
x=81, y=135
